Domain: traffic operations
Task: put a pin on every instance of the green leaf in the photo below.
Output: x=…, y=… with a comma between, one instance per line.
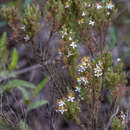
x=3, y=50
x=40, y=86
x=16, y=84
x=14, y=60
x=37, y=104
x=113, y=37
x=25, y=93
x=3, y=41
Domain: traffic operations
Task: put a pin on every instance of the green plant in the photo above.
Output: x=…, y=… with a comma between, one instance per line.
x=77, y=21
x=88, y=22
x=7, y=70
x=24, y=25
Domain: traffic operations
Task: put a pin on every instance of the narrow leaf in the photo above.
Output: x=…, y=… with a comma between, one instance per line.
x=14, y=60
x=40, y=86
x=25, y=93
x=17, y=83
x=37, y=104
x=3, y=41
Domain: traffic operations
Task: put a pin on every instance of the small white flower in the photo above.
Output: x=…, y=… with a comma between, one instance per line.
x=98, y=6
x=118, y=59
x=82, y=68
x=100, y=64
x=82, y=98
x=84, y=80
x=70, y=38
x=77, y=89
x=69, y=54
x=67, y=5
x=65, y=33
x=97, y=71
x=62, y=111
x=89, y=5
x=91, y=22
x=61, y=103
x=22, y=28
x=63, y=36
x=70, y=32
x=123, y=116
x=73, y=45
x=83, y=14
x=108, y=13
x=60, y=53
x=26, y=38
x=109, y=6
x=71, y=99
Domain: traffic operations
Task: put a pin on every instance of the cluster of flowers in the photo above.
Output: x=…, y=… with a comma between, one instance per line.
x=26, y=37
x=68, y=3
x=107, y=7
x=98, y=69
x=123, y=117
x=84, y=65
x=67, y=35
x=62, y=103
x=83, y=71
x=82, y=80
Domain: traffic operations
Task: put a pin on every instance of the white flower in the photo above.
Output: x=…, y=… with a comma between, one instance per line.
x=85, y=81
x=91, y=22
x=67, y=4
x=69, y=54
x=100, y=63
x=70, y=38
x=109, y=6
x=22, y=28
x=73, y=45
x=61, y=103
x=82, y=98
x=70, y=32
x=89, y=5
x=123, y=116
x=77, y=89
x=83, y=14
x=82, y=68
x=26, y=38
x=98, y=6
x=63, y=34
x=118, y=59
x=82, y=80
x=61, y=110
x=71, y=99
x=108, y=13
x=97, y=71
x=60, y=53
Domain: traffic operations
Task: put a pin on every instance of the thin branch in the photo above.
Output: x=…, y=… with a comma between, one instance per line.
x=18, y=72
x=111, y=118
